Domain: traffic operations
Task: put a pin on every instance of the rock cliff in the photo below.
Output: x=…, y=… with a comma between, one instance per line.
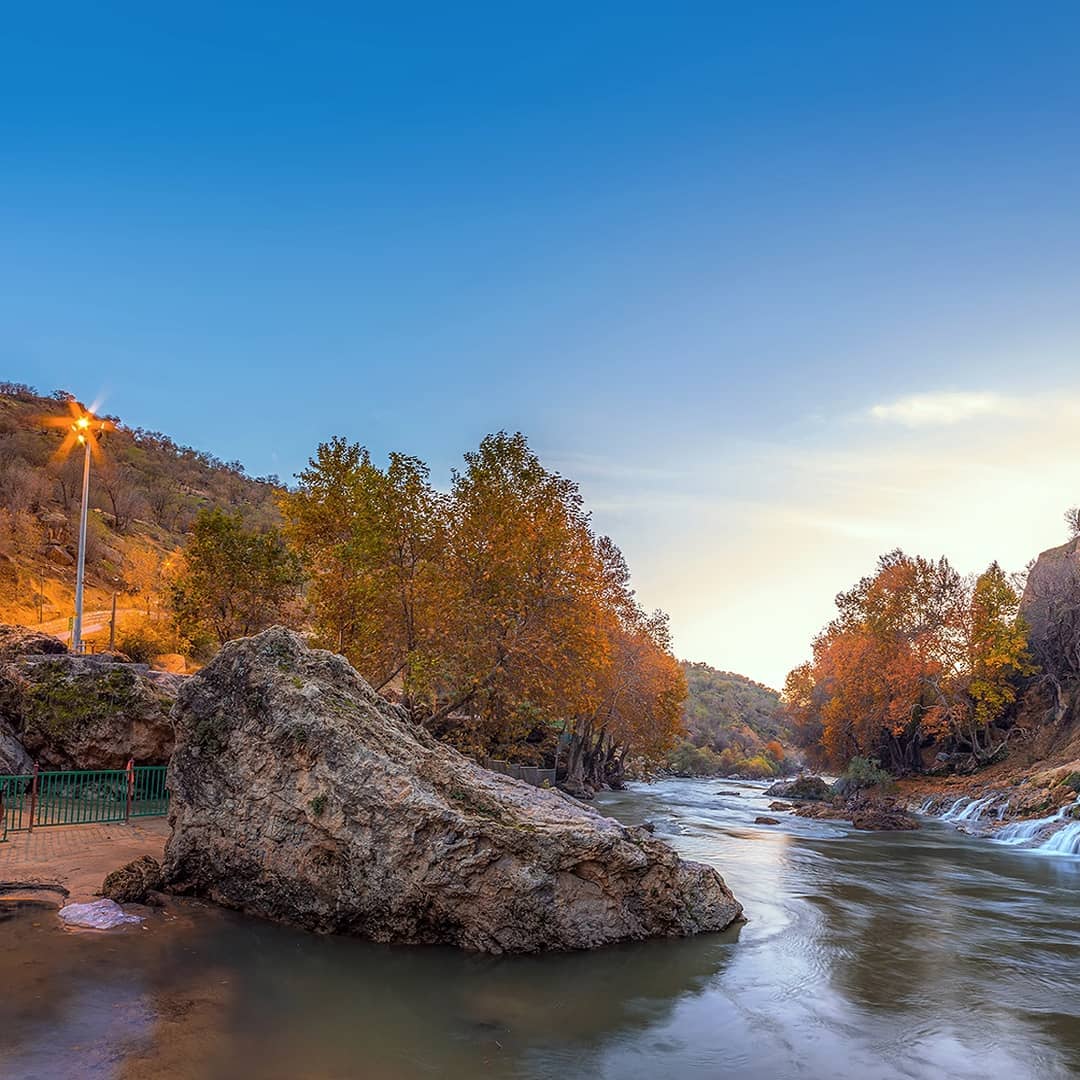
x=1051, y=606
x=299, y=794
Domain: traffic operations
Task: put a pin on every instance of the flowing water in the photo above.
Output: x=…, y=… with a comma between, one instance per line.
x=867, y=955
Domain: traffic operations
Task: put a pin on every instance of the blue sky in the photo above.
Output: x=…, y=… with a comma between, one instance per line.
x=782, y=285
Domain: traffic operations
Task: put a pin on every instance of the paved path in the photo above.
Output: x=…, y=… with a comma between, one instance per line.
x=78, y=856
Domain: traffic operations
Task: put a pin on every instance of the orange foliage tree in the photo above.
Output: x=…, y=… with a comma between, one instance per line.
x=494, y=608
x=917, y=656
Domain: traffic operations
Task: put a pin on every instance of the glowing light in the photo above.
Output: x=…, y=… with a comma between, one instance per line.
x=83, y=428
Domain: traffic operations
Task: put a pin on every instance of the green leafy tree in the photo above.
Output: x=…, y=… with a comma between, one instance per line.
x=235, y=580
x=997, y=649
x=373, y=542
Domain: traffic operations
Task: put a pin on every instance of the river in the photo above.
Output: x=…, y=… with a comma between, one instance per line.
x=866, y=955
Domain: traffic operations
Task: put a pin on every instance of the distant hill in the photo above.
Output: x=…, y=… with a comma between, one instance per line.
x=734, y=726
x=145, y=491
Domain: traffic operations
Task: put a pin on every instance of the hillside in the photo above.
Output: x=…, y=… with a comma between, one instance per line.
x=733, y=724
x=145, y=491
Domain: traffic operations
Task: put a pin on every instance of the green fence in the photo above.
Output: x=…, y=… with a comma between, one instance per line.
x=81, y=797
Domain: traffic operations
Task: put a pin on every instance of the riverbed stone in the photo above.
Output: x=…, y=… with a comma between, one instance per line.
x=873, y=816
x=802, y=787
x=301, y=795
x=133, y=883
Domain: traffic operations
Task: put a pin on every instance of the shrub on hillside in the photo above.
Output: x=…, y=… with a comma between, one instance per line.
x=862, y=773
x=144, y=642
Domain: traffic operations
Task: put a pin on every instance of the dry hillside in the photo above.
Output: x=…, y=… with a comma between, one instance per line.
x=145, y=491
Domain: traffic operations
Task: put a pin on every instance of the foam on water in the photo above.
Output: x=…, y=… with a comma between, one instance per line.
x=1045, y=834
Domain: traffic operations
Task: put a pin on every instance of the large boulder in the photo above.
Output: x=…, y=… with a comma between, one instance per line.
x=1051, y=606
x=301, y=795
x=86, y=712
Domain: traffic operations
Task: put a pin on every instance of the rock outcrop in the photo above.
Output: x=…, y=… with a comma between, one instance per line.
x=299, y=794
x=79, y=712
x=881, y=815
x=802, y=787
x=18, y=641
x=14, y=760
x=866, y=812
x=1051, y=607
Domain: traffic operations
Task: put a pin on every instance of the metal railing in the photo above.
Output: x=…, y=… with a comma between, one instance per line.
x=529, y=773
x=81, y=797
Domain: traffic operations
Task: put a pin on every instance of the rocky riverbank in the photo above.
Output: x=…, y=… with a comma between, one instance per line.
x=1039, y=810
x=813, y=797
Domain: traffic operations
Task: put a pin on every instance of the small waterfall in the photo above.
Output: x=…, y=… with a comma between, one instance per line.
x=955, y=809
x=1064, y=842
x=1045, y=834
x=1020, y=832
x=973, y=811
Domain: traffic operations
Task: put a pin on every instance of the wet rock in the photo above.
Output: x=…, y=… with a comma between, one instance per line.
x=780, y=806
x=133, y=883
x=763, y=819
x=301, y=795
x=818, y=810
x=802, y=787
x=883, y=817
x=85, y=712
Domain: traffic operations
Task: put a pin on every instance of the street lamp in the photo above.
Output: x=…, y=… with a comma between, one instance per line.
x=84, y=429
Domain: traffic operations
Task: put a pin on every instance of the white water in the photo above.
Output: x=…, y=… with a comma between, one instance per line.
x=1039, y=834
x=1065, y=841
x=970, y=811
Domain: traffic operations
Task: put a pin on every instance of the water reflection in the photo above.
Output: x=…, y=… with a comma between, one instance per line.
x=867, y=956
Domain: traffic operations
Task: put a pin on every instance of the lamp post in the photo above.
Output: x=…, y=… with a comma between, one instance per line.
x=81, y=428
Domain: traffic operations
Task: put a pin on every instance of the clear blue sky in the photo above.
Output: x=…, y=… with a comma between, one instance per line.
x=702, y=255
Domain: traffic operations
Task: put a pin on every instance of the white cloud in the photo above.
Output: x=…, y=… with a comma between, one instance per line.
x=924, y=410
x=748, y=548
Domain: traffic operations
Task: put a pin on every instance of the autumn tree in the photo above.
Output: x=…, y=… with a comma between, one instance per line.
x=372, y=540
x=916, y=655
x=638, y=709
x=522, y=582
x=234, y=582
x=494, y=608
